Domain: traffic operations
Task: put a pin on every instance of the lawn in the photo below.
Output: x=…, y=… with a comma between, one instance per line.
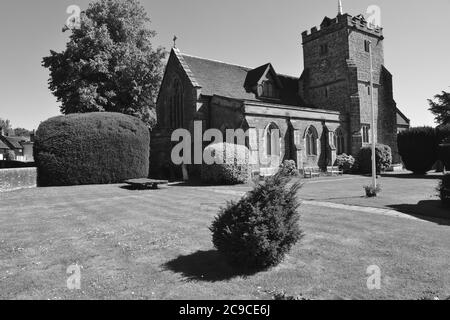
x=404, y=192
x=156, y=244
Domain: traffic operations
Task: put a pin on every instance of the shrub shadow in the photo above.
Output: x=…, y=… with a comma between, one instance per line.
x=428, y=210
x=209, y=266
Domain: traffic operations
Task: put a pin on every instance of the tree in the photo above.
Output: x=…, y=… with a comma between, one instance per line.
x=109, y=63
x=5, y=124
x=10, y=155
x=441, y=108
x=22, y=132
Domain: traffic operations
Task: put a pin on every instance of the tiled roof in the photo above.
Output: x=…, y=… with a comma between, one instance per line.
x=402, y=120
x=3, y=145
x=227, y=80
x=12, y=142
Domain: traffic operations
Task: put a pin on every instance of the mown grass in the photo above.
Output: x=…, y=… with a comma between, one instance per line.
x=156, y=244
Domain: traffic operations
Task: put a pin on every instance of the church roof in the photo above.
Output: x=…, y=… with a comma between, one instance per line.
x=402, y=120
x=229, y=80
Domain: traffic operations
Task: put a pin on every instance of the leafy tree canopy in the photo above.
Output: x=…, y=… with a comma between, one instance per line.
x=109, y=63
x=5, y=124
x=441, y=108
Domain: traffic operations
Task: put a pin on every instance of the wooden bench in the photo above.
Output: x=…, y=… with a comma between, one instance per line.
x=310, y=172
x=146, y=183
x=334, y=171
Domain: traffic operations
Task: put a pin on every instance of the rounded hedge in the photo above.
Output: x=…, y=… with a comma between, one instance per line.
x=444, y=153
x=231, y=164
x=418, y=149
x=383, y=158
x=257, y=231
x=91, y=148
x=345, y=162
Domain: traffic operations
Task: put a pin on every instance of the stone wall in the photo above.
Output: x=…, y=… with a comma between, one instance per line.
x=20, y=178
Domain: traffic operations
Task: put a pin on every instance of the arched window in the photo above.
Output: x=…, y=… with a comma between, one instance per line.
x=339, y=141
x=272, y=140
x=176, y=106
x=311, y=141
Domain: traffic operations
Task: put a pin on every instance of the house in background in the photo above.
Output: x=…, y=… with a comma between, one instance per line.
x=21, y=146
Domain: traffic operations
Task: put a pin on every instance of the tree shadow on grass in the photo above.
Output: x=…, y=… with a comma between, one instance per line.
x=428, y=210
x=209, y=266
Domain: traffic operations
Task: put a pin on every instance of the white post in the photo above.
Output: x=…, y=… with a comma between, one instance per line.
x=374, y=168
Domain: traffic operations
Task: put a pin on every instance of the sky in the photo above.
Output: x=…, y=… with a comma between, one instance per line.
x=244, y=32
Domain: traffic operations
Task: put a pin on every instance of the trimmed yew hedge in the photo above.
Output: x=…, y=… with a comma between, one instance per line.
x=383, y=158
x=91, y=148
x=418, y=149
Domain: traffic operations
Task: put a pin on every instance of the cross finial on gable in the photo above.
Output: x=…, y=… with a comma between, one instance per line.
x=175, y=41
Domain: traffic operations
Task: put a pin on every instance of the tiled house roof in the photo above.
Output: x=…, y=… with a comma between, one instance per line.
x=3, y=145
x=11, y=142
x=228, y=80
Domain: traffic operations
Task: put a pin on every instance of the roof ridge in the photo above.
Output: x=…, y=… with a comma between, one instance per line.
x=237, y=65
x=218, y=61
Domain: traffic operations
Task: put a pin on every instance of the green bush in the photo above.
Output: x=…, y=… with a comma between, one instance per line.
x=91, y=148
x=444, y=153
x=257, y=231
x=444, y=189
x=443, y=134
x=231, y=164
x=289, y=169
x=345, y=162
x=383, y=158
x=372, y=191
x=418, y=149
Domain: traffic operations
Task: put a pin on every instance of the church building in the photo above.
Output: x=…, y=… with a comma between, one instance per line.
x=319, y=115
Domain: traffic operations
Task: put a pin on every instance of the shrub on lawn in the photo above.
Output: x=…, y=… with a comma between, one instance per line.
x=418, y=149
x=257, y=231
x=91, y=148
x=444, y=189
x=345, y=163
x=289, y=169
x=383, y=158
x=444, y=153
x=231, y=164
x=443, y=135
x=372, y=191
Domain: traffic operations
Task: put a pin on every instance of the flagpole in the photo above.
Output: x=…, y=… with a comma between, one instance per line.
x=374, y=168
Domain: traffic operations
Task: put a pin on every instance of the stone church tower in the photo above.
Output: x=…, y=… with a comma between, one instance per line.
x=337, y=77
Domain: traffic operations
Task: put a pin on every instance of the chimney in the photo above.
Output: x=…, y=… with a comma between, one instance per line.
x=32, y=136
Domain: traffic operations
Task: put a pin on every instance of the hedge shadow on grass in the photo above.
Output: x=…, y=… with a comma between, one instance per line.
x=428, y=210
x=430, y=176
x=209, y=266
